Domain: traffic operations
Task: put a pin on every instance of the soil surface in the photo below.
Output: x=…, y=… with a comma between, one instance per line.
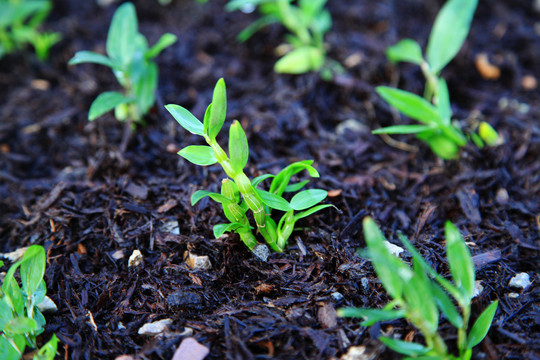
x=65, y=185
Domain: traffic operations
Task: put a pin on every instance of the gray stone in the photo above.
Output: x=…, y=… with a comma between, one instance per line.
x=155, y=328
x=186, y=299
x=47, y=306
x=521, y=280
x=190, y=349
x=262, y=252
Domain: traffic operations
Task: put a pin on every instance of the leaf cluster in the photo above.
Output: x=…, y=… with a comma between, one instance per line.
x=307, y=22
x=132, y=62
x=19, y=26
x=433, y=111
x=239, y=194
x=420, y=295
x=20, y=319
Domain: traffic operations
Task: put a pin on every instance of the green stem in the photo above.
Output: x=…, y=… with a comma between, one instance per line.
x=430, y=93
x=462, y=332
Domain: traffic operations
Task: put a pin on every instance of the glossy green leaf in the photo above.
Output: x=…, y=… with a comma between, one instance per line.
x=20, y=325
x=371, y=316
x=199, y=194
x=301, y=60
x=90, y=57
x=404, y=347
x=32, y=268
x=446, y=306
x=256, y=26
x=403, y=129
x=145, y=88
x=48, y=351
x=307, y=198
x=8, y=352
x=186, y=119
x=410, y=104
x=488, y=134
x=310, y=211
x=443, y=102
x=199, y=155
x=105, y=102
x=482, y=325
x=230, y=190
x=449, y=32
x=238, y=147
x=296, y=187
x=164, y=42
x=459, y=260
x=122, y=32
x=218, y=110
x=220, y=229
x=256, y=181
x=443, y=147
x=274, y=201
x=281, y=180
x=406, y=50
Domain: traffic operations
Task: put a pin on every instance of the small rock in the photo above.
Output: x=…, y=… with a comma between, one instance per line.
x=365, y=284
x=502, y=196
x=135, y=259
x=486, y=69
x=124, y=357
x=171, y=227
x=327, y=316
x=121, y=326
x=521, y=280
x=155, y=328
x=184, y=298
x=14, y=256
x=513, y=295
x=47, y=306
x=478, y=288
x=394, y=249
x=118, y=254
x=190, y=349
x=350, y=126
x=529, y=82
x=262, y=252
x=186, y=332
x=196, y=262
x=356, y=353
x=337, y=296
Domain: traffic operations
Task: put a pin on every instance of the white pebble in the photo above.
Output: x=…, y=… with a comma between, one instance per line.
x=521, y=280
x=155, y=328
x=394, y=249
x=47, y=306
x=135, y=259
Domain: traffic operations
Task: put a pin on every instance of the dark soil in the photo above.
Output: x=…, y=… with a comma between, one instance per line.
x=65, y=185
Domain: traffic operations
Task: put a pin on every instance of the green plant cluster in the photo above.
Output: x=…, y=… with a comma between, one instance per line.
x=433, y=111
x=19, y=26
x=238, y=193
x=131, y=60
x=20, y=319
x=307, y=21
x=420, y=295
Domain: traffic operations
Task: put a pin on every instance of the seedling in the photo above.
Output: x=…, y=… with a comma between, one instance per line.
x=240, y=194
x=419, y=294
x=131, y=61
x=307, y=22
x=20, y=319
x=19, y=23
x=434, y=111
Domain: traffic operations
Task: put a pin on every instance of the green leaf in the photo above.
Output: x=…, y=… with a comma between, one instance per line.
x=301, y=60
x=218, y=110
x=8, y=352
x=146, y=86
x=256, y=26
x=21, y=325
x=32, y=268
x=106, y=102
x=90, y=57
x=48, y=351
x=164, y=42
x=260, y=179
x=446, y=305
x=199, y=194
x=443, y=102
x=281, y=180
x=406, y=50
x=403, y=129
x=220, y=229
x=460, y=261
x=443, y=147
x=449, y=32
x=404, y=347
x=296, y=187
x=307, y=198
x=122, y=33
x=482, y=325
x=313, y=210
x=274, y=201
x=199, y=155
x=186, y=119
x=410, y=104
x=371, y=316
x=238, y=147
x=488, y=134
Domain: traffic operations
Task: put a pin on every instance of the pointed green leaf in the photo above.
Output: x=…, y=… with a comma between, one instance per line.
x=488, y=134
x=403, y=129
x=186, y=119
x=410, y=104
x=301, y=60
x=313, y=210
x=371, y=316
x=406, y=50
x=449, y=32
x=48, y=351
x=32, y=268
x=199, y=155
x=460, y=261
x=443, y=147
x=256, y=26
x=7, y=349
x=145, y=88
x=219, y=110
x=21, y=325
x=260, y=179
x=164, y=42
x=274, y=201
x=106, y=102
x=220, y=229
x=238, y=147
x=307, y=198
x=443, y=102
x=90, y=57
x=296, y=187
x=122, y=32
x=446, y=305
x=199, y=194
x=404, y=347
x=482, y=325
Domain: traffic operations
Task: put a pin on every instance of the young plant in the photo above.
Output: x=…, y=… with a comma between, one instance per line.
x=20, y=319
x=19, y=23
x=239, y=194
x=419, y=295
x=307, y=22
x=433, y=111
x=131, y=61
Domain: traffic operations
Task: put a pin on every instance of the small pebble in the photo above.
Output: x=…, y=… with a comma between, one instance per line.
x=513, y=295
x=365, y=283
x=155, y=328
x=350, y=126
x=190, y=349
x=262, y=252
x=521, y=280
x=394, y=249
x=478, y=288
x=337, y=296
x=486, y=69
x=171, y=227
x=186, y=299
x=196, y=262
x=14, y=256
x=357, y=353
x=529, y=82
x=47, y=306
x=502, y=196
x=135, y=259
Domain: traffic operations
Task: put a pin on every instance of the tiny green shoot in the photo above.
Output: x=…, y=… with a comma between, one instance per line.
x=240, y=195
x=307, y=22
x=419, y=294
x=433, y=111
x=20, y=319
x=19, y=26
x=132, y=62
